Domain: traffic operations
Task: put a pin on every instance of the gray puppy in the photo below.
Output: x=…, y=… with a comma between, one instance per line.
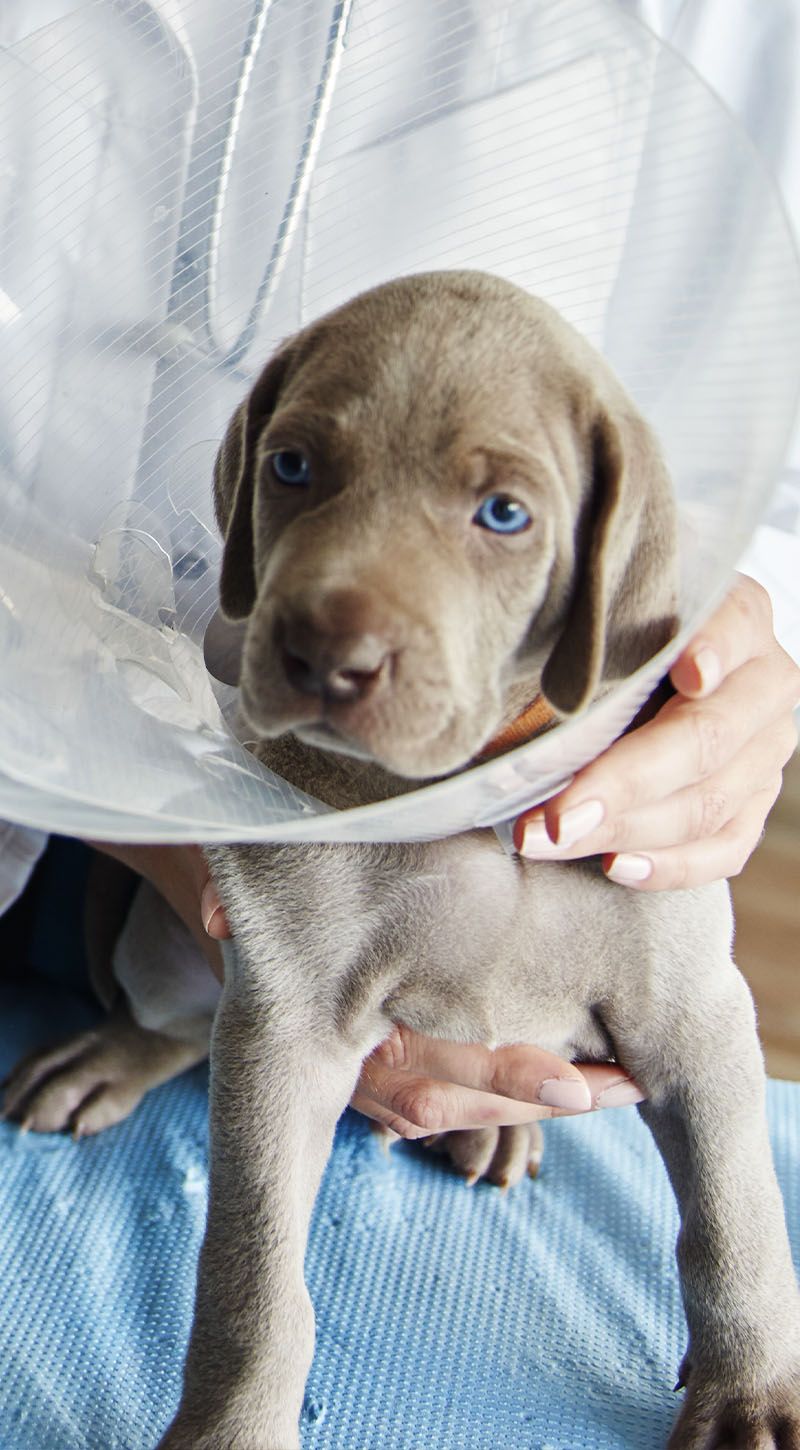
x=437, y=504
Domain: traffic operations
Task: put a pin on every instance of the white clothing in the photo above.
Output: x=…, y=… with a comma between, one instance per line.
x=20, y=849
x=749, y=54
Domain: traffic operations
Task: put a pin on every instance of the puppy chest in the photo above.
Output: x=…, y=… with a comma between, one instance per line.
x=481, y=957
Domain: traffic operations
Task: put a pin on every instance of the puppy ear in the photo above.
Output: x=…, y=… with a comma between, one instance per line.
x=622, y=609
x=234, y=488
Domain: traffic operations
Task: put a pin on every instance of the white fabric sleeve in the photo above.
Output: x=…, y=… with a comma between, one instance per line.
x=773, y=558
x=20, y=849
x=749, y=54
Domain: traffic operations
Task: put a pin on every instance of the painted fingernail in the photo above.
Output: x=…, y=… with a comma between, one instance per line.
x=535, y=839
x=708, y=668
x=215, y=916
x=579, y=821
x=210, y=907
x=565, y=1092
x=630, y=870
x=573, y=826
x=620, y=1095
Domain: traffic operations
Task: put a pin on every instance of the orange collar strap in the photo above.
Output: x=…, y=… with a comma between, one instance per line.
x=530, y=722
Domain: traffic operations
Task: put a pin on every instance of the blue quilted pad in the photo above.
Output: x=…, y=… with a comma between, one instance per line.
x=457, y=1318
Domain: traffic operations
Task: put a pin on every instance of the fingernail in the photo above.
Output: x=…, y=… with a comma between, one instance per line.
x=209, y=920
x=565, y=1092
x=629, y=870
x=579, y=821
x=573, y=826
x=620, y=1095
x=708, y=668
x=535, y=839
x=209, y=907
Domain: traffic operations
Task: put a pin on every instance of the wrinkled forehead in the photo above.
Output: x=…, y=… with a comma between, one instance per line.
x=429, y=379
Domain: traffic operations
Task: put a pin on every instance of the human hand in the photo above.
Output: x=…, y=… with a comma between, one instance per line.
x=416, y=1085
x=682, y=800
x=180, y=874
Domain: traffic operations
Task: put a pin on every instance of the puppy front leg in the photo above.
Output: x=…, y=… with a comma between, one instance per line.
x=279, y=1082
x=706, y=1112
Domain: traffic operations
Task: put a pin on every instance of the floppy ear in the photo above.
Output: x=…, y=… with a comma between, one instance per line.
x=234, y=488
x=622, y=609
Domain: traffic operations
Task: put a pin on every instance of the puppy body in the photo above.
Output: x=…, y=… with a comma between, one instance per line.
x=437, y=502
x=364, y=490
x=457, y=940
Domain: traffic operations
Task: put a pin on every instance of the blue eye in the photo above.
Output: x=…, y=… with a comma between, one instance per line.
x=290, y=467
x=502, y=515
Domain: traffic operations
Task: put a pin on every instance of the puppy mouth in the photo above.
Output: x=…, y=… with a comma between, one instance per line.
x=405, y=707
x=325, y=735
x=274, y=711
x=330, y=724
x=438, y=745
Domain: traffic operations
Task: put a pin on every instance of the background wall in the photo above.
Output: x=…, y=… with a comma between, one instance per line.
x=767, y=901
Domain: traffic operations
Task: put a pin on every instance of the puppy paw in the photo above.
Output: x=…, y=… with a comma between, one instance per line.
x=93, y=1080
x=499, y=1155
x=713, y=1420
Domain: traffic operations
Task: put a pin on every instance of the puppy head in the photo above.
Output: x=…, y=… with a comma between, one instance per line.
x=434, y=494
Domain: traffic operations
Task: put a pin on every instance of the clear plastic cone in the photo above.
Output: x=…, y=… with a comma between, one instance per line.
x=182, y=188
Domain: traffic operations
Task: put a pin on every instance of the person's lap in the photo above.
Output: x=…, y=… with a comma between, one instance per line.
x=445, y=1315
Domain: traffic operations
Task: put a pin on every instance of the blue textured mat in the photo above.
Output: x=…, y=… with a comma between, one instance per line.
x=447, y=1317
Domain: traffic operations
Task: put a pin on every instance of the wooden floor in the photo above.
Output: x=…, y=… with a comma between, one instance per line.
x=767, y=901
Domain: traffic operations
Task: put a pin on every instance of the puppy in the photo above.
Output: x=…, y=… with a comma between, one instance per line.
x=438, y=505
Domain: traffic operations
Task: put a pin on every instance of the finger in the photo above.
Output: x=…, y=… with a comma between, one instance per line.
x=739, y=629
x=215, y=922
x=527, y=1073
x=689, y=741
x=382, y=1114
x=700, y=811
x=414, y=1107
x=417, y=1107
x=696, y=863
x=414, y=1104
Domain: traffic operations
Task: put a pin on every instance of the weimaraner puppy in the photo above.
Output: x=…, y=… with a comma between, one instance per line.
x=438, y=504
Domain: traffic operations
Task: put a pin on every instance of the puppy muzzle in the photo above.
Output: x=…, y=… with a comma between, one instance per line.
x=334, y=666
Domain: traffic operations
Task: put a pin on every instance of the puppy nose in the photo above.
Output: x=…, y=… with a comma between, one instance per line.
x=336, y=666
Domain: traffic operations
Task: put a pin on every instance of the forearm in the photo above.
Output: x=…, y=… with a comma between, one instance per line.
x=180, y=874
